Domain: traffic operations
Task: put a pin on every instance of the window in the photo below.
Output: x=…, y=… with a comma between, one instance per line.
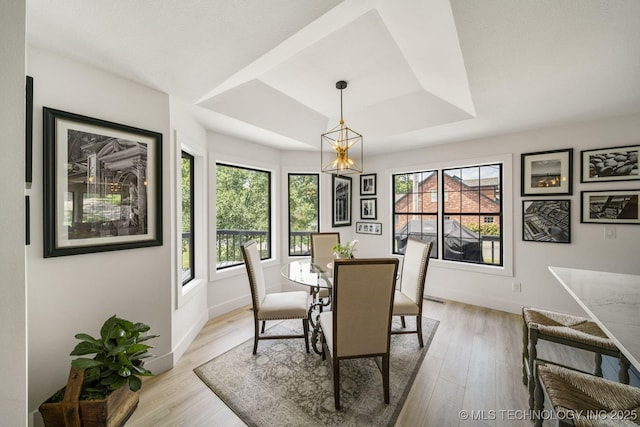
x=473, y=232
x=415, y=209
x=188, y=219
x=468, y=221
x=243, y=212
x=304, y=214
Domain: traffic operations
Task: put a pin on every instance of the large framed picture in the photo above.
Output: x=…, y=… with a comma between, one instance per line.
x=341, y=202
x=102, y=185
x=547, y=172
x=610, y=207
x=609, y=164
x=368, y=184
x=368, y=209
x=546, y=221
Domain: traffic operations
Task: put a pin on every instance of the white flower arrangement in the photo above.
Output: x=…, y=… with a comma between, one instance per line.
x=346, y=250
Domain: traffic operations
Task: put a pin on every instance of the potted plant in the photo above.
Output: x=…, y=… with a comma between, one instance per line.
x=344, y=251
x=102, y=391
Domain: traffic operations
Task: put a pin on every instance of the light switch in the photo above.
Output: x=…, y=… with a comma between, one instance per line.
x=609, y=232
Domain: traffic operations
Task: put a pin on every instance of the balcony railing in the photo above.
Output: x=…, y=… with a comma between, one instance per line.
x=228, y=244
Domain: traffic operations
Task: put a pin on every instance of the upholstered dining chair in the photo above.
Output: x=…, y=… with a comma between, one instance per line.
x=273, y=306
x=359, y=324
x=321, y=248
x=408, y=298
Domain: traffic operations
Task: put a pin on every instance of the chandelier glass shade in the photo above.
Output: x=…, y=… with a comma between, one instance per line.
x=341, y=147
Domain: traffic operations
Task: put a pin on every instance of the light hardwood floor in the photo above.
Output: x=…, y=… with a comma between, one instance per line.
x=473, y=364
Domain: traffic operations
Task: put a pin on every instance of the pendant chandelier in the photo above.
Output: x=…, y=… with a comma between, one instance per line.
x=341, y=147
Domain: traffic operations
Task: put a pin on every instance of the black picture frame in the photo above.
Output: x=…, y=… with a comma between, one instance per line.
x=368, y=208
x=610, y=164
x=610, y=207
x=369, y=227
x=546, y=221
x=547, y=172
x=341, y=200
x=28, y=131
x=368, y=184
x=102, y=185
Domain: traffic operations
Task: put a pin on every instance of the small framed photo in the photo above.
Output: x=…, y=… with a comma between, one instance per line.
x=610, y=207
x=547, y=172
x=368, y=209
x=369, y=227
x=341, y=202
x=546, y=221
x=368, y=185
x=610, y=164
x=102, y=185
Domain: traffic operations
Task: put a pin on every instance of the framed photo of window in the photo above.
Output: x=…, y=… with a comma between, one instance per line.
x=368, y=209
x=610, y=164
x=102, y=185
x=546, y=221
x=610, y=207
x=341, y=201
x=547, y=172
x=368, y=185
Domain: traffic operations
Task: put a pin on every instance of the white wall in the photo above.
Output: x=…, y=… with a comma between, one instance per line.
x=73, y=294
x=13, y=304
x=588, y=248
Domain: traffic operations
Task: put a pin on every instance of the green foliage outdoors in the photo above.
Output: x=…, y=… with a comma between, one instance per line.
x=186, y=195
x=485, y=229
x=303, y=202
x=118, y=360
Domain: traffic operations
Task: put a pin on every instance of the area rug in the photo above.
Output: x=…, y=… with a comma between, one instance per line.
x=282, y=385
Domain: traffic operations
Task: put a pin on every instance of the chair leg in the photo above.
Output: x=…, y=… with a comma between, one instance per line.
x=623, y=374
x=305, y=328
x=385, y=377
x=533, y=355
x=404, y=325
x=525, y=352
x=539, y=400
x=256, y=327
x=419, y=329
x=336, y=382
x=263, y=323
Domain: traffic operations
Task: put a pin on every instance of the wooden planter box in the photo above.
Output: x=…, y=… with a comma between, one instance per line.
x=113, y=411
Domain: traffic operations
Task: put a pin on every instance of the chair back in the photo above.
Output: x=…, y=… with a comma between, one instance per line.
x=321, y=244
x=414, y=269
x=362, y=305
x=253, y=265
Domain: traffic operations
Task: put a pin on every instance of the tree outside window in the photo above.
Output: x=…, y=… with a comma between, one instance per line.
x=187, y=233
x=304, y=213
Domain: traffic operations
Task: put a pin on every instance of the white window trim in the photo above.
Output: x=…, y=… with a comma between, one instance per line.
x=185, y=292
x=237, y=270
x=507, y=210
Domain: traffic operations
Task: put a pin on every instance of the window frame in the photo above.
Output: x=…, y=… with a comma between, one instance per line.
x=288, y=183
x=192, y=220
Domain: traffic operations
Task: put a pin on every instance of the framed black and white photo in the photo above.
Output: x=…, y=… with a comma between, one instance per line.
x=547, y=172
x=341, y=201
x=546, y=221
x=610, y=164
x=610, y=207
x=102, y=185
x=368, y=209
x=28, y=131
x=369, y=227
x=368, y=185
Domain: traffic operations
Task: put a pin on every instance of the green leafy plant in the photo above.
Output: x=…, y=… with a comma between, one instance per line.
x=118, y=360
x=346, y=250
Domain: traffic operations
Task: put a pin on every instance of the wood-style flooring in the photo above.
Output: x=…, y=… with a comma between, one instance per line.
x=473, y=364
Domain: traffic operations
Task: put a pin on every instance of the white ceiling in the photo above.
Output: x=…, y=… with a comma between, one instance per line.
x=420, y=72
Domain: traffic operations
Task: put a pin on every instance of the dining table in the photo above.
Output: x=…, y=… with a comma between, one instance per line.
x=612, y=300
x=315, y=273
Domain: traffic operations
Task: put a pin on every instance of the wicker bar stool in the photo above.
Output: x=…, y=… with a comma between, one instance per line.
x=573, y=331
x=580, y=399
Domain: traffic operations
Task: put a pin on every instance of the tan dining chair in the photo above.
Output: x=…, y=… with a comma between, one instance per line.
x=321, y=248
x=273, y=306
x=408, y=298
x=359, y=324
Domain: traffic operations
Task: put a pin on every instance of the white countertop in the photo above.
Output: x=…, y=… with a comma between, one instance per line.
x=613, y=302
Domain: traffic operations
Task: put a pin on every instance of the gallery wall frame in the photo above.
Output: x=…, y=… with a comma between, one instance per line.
x=610, y=206
x=102, y=185
x=369, y=227
x=341, y=200
x=547, y=172
x=368, y=184
x=368, y=208
x=546, y=220
x=28, y=134
x=610, y=164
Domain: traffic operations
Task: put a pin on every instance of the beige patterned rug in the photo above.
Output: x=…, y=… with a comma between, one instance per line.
x=284, y=386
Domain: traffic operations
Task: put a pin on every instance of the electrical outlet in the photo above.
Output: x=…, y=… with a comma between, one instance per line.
x=609, y=232
x=516, y=287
